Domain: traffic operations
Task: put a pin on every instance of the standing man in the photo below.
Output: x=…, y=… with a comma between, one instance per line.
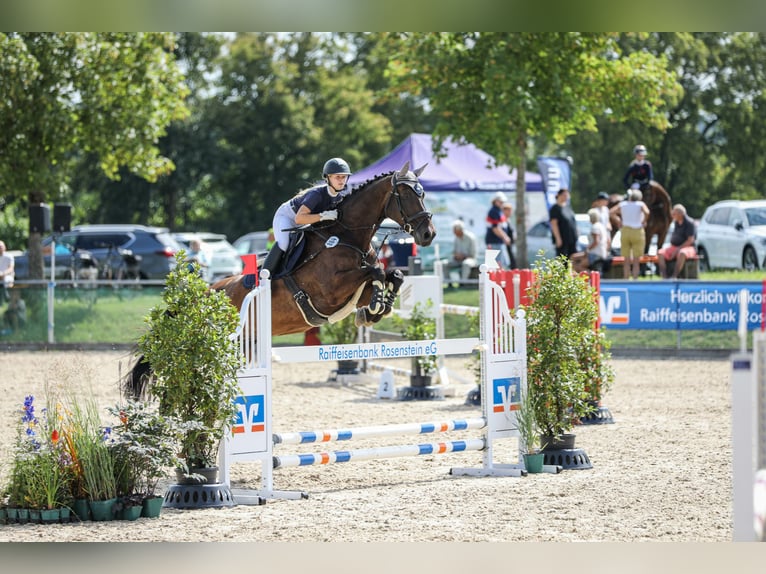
x=6, y=273
x=681, y=243
x=496, y=238
x=563, y=225
x=601, y=205
x=463, y=251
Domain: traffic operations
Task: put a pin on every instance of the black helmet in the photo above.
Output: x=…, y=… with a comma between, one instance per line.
x=336, y=165
x=639, y=149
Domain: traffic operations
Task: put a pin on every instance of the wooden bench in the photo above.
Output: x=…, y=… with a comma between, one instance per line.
x=690, y=271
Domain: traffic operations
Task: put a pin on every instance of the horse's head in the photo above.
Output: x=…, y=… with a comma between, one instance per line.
x=406, y=205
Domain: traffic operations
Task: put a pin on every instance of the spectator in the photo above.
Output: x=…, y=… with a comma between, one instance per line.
x=596, y=253
x=15, y=315
x=510, y=232
x=681, y=243
x=6, y=273
x=496, y=238
x=563, y=225
x=634, y=214
x=601, y=205
x=197, y=255
x=463, y=251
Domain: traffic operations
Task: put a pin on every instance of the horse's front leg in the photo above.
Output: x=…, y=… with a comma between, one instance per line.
x=394, y=280
x=383, y=288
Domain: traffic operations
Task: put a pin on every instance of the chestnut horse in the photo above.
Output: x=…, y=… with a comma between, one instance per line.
x=338, y=271
x=658, y=201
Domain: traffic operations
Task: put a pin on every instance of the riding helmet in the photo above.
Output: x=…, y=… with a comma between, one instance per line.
x=336, y=165
x=639, y=149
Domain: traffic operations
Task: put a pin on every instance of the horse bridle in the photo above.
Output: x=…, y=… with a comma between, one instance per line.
x=414, y=185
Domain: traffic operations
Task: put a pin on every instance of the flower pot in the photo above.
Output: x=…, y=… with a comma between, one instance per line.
x=420, y=380
x=81, y=509
x=3, y=516
x=65, y=515
x=534, y=462
x=12, y=515
x=102, y=510
x=131, y=512
x=564, y=441
x=348, y=367
x=50, y=515
x=207, y=475
x=152, y=506
x=34, y=515
x=22, y=515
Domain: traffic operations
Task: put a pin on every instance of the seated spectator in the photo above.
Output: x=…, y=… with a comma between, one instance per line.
x=15, y=316
x=596, y=254
x=463, y=250
x=681, y=243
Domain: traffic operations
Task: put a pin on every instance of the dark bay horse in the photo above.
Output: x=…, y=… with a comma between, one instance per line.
x=338, y=271
x=658, y=201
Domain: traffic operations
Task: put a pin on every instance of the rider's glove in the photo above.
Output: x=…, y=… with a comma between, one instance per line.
x=330, y=215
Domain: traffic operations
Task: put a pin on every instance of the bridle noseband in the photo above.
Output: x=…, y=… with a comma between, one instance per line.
x=413, y=183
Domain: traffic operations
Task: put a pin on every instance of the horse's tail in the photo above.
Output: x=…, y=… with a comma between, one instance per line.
x=136, y=383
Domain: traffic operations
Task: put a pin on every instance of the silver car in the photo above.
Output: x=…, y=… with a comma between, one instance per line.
x=732, y=235
x=222, y=256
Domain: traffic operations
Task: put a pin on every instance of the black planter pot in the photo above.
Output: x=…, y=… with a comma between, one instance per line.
x=420, y=380
x=557, y=443
x=198, y=492
x=348, y=368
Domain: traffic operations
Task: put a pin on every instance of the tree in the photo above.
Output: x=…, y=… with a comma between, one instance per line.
x=111, y=95
x=499, y=90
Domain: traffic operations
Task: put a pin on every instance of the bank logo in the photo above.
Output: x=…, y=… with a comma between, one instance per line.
x=506, y=391
x=250, y=416
x=614, y=306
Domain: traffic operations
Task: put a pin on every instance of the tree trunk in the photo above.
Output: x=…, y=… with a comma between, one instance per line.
x=521, y=212
x=35, y=244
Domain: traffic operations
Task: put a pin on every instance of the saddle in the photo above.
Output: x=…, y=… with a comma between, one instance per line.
x=295, y=248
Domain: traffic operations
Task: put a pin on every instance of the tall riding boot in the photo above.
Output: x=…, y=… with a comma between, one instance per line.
x=272, y=259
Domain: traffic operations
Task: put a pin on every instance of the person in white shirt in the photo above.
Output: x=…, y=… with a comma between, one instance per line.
x=634, y=214
x=6, y=273
x=601, y=203
x=464, y=250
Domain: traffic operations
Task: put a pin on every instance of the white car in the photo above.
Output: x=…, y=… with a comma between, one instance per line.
x=540, y=236
x=222, y=256
x=732, y=235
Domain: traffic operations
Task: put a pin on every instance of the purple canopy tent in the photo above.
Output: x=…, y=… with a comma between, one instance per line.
x=459, y=186
x=465, y=167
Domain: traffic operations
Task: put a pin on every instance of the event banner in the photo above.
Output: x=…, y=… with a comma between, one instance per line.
x=679, y=305
x=556, y=174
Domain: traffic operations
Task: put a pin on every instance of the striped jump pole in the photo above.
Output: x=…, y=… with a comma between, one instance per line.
x=374, y=453
x=378, y=431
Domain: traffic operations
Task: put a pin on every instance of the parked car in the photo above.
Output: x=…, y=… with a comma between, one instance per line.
x=732, y=235
x=223, y=258
x=253, y=242
x=108, y=244
x=540, y=236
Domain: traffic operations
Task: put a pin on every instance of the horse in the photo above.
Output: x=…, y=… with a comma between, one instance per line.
x=658, y=201
x=338, y=271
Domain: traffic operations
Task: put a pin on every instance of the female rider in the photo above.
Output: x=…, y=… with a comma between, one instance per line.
x=309, y=206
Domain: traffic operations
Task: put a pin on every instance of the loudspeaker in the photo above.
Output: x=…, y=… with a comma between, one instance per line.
x=39, y=218
x=62, y=217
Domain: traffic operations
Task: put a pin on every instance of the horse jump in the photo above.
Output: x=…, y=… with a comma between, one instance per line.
x=503, y=346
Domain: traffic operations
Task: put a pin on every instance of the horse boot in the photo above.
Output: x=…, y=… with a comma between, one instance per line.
x=273, y=259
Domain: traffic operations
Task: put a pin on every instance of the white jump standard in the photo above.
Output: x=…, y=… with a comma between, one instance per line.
x=503, y=368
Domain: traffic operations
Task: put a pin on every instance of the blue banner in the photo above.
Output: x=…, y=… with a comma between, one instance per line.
x=679, y=305
x=556, y=174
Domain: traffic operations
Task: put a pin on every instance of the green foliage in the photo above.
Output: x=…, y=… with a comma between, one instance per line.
x=567, y=363
x=145, y=445
x=526, y=423
x=343, y=332
x=417, y=327
x=195, y=360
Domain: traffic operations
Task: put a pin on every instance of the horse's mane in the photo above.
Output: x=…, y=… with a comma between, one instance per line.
x=362, y=185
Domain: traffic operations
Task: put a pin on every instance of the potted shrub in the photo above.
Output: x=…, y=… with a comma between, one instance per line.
x=526, y=424
x=564, y=355
x=145, y=446
x=419, y=326
x=343, y=332
x=195, y=362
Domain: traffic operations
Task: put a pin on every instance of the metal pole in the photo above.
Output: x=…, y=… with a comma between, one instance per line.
x=52, y=292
